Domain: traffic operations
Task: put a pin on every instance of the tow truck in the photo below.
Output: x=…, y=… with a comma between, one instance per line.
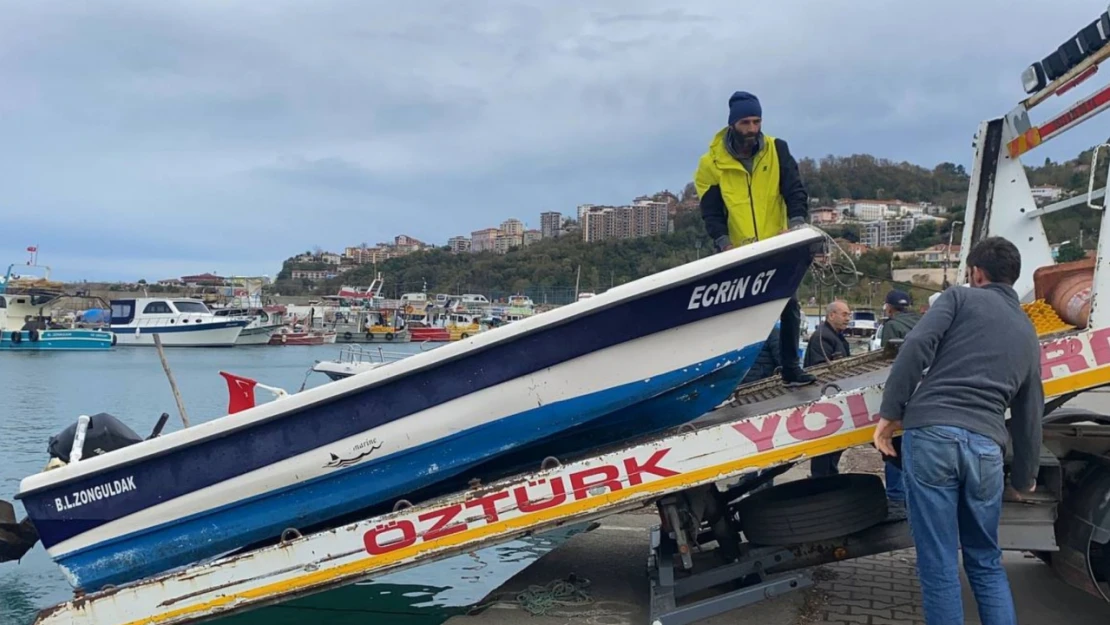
x=721, y=524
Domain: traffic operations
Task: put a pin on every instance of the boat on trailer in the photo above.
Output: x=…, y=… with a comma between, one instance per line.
x=313, y=458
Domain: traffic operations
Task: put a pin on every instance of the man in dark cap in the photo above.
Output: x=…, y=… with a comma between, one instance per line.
x=750, y=189
x=900, y=317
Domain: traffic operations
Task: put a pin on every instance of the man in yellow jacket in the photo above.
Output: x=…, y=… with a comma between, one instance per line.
x=750, y=190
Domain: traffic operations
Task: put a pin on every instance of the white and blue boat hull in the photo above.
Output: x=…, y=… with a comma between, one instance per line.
x=206, y=334
x=56, y=340
x=619, y=365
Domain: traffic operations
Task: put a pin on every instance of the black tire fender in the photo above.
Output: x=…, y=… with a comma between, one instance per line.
x=813, y=509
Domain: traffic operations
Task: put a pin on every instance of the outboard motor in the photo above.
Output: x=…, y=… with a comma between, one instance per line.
x=105, y=433
x=16, y=539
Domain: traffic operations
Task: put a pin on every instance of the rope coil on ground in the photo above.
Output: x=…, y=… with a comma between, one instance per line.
x=539, y=600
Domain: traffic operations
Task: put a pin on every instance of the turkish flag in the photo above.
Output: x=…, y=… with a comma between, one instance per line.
x=240, y=392
x=33, y=248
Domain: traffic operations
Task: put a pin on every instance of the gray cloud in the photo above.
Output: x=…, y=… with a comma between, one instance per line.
x=202, y=131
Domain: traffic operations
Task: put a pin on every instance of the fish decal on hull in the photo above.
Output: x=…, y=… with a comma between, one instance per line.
x=361, y=451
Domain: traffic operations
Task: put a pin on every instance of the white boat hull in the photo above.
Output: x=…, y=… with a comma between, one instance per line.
x=339, y=370
x=256, y=336
x=204, y=335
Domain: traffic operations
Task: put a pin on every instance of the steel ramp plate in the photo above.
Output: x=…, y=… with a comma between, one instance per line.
x=771, y=395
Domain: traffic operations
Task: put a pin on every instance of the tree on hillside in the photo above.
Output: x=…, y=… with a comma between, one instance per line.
x=875, y=264
x=862, y=176
x=848, y=232
x=1069, y=252
x=921, y=237
x=689, y=192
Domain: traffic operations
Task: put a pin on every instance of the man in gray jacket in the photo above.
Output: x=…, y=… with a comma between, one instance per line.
x=983, y=357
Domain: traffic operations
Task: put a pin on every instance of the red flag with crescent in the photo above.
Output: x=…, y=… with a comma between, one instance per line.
x=240, y=392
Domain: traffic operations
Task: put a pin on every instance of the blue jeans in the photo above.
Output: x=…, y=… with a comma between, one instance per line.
x=954, y=482
x=895, y=484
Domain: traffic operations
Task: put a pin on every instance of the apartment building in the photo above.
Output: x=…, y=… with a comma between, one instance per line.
x=888, y=232
x=459, y=244
x=550, y=224
x=512, y=227
x=484, y=240
x=505, y=242
x=642, y=219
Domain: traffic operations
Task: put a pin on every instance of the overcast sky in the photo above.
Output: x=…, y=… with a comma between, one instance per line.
x=153, y=139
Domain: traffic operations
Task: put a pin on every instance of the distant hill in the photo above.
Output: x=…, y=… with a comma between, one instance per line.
x=547, y=270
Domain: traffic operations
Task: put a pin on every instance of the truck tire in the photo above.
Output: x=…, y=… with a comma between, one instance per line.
x=813, y=509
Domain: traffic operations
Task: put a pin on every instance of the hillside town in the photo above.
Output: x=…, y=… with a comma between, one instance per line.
x=864, y=225
x=879, y=224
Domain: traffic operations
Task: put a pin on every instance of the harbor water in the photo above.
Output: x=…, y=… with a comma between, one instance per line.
x=45, y=392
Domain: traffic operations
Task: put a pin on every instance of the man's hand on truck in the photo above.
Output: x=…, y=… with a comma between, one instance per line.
x=884, y=435
x=1012, y=494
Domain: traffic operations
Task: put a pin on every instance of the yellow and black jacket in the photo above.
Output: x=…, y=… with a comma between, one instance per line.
x=749, y=206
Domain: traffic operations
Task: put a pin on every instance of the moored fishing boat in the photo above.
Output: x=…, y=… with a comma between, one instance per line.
x=263, y=322
x=25, y=322
x=310, y=458
x=290, y=336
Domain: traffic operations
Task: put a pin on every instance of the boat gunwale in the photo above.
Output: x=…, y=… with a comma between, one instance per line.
x=417, y=363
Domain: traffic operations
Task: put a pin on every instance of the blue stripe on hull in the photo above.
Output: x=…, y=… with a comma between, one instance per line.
x=398, y=475
x=221, y=457
x=196, y=327
x=58, y=340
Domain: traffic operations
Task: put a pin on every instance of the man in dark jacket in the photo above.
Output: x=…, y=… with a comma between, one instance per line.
x=900, y=320
x=972, y=356
x=827, y=343
x=750, y=189
x=900, y=317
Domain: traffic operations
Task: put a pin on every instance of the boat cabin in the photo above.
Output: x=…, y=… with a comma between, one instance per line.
x=17, y=310
x=863, y=323
x=162, y=310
